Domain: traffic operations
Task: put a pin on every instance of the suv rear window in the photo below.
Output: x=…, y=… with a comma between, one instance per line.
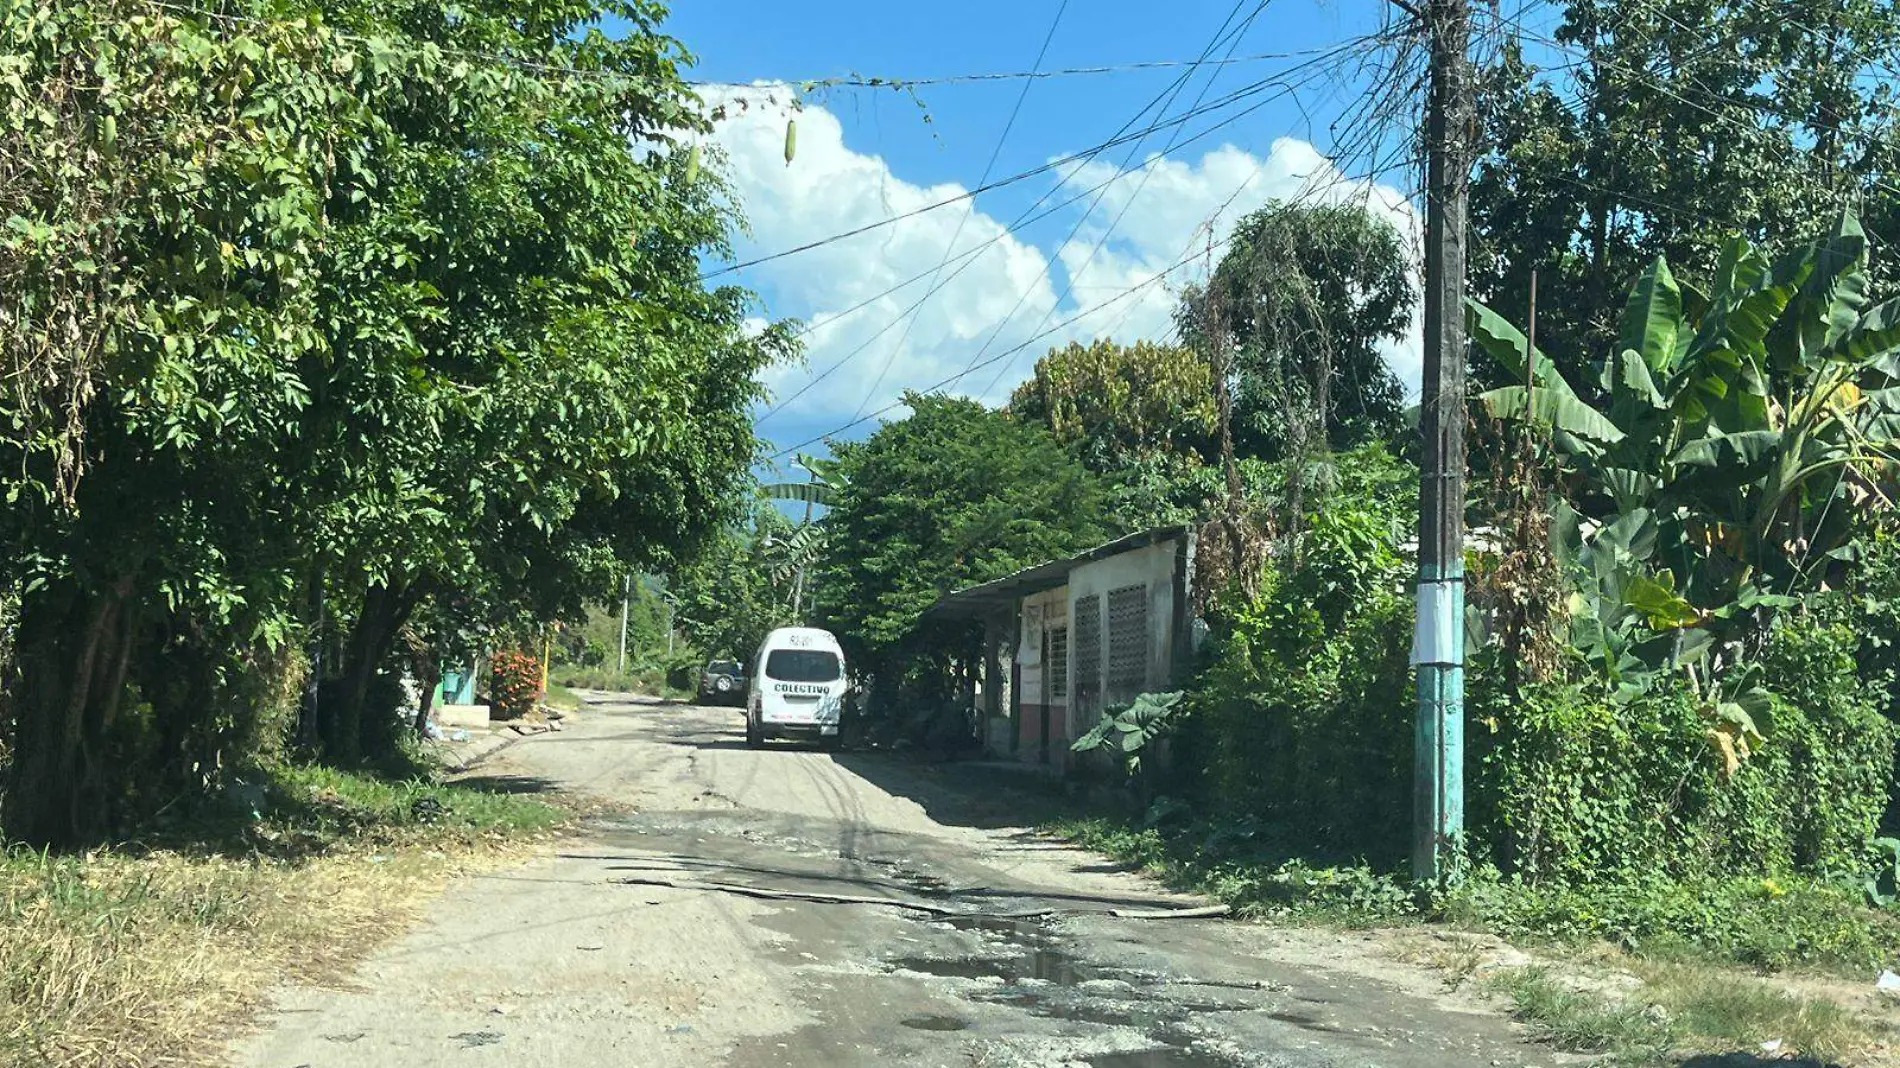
x=803, y=665
x=723, y=667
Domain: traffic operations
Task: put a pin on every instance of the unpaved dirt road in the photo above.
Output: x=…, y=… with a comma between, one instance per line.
x=583, y=958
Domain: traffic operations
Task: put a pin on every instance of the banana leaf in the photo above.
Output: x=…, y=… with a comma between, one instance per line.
x=1561, y=409
x=1651, y=324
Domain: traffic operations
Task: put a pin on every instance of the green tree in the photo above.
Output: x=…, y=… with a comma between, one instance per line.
x=1143, y=416
x=325, y=329
x=165, y=181
x=522, y=311
x=1307, y=294
x=1114, y=404
x=953, y=495
x=1663, y=127
x=737, y=590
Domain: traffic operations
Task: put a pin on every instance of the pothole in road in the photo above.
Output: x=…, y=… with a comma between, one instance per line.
x=935, y=1023
x=1038, y=977
x=1163, y=1057
x=1028, y=955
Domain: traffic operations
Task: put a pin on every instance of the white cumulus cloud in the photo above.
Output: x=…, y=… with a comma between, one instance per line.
x=1157, y=215
x=830, y=188
x=1162, y=213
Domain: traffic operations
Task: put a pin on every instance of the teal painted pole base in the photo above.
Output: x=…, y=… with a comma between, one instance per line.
x=1439, y=769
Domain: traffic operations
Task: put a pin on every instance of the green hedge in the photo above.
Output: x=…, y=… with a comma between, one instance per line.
x=1571, y=788
x=1301, y=730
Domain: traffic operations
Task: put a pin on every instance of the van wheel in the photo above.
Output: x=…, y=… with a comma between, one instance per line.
x=753, y=739
x=831, y=743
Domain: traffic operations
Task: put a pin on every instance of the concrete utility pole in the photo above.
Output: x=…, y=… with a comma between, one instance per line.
x=1439, y=645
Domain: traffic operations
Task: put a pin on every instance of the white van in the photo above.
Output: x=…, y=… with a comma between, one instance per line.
x=797, y=687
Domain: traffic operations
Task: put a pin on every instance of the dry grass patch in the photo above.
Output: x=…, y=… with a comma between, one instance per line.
x=153, y=958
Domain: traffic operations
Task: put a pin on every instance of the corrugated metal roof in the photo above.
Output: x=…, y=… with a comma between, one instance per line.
x=1003, y=592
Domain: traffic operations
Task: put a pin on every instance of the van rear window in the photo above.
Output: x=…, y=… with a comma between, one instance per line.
x=803, y=665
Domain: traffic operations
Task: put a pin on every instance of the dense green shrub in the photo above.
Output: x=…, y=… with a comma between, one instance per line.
x=1572, y=788
x=1869, y=606
x=1302, y=715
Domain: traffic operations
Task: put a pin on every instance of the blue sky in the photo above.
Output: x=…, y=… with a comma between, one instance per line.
x=865, y=155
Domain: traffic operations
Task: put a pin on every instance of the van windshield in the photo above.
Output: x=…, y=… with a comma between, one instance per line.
x=803, y=665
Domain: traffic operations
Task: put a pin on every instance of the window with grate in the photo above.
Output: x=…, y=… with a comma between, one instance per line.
x=1057, y=669
x=1127, y=641
x=1088, y=649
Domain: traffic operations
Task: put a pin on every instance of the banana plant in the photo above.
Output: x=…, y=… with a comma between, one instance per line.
x=1739, y=433
x=822, y=489
x=794, y=554
x=1750, y=422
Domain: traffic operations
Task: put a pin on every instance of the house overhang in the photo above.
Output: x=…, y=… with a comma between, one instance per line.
x=1000, y=596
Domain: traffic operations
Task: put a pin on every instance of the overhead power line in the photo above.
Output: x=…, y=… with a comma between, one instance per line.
x=1069, y=276
x=1077, y=317
x=1252, y=89
x=1716, y=107
x=969, y=256
x=860, y=81
x=1137, y=288
x=962, y=220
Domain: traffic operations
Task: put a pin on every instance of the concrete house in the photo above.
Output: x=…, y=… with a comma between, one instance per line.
x=1079, y=634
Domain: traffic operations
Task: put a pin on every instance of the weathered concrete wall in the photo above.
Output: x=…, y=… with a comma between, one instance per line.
x=1151, y=568
x=1041, y=696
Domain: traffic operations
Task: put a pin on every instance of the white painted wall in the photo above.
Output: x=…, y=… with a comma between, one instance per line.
x=1038, y=611
x=1152, y=566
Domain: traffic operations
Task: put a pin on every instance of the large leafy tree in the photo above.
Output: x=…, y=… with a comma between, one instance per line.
x=1114, y=404
x=1307, y=295
x=955, y=494
x=569, y=399
x=1143, y=416
x=1661, y=129
x=165, y=179
x=331, y=326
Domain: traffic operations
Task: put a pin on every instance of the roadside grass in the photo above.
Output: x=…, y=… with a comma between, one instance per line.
x=1681, y=1010
x=1583, y=1021
x=644, y=681
x=1694, y=959
x=152, y=953
x=559, y=696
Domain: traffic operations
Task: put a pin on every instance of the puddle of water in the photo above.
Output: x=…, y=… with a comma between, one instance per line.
x=935, y=1023
x=1165, y=1057
x=1302, y=1020
x=1038, y=965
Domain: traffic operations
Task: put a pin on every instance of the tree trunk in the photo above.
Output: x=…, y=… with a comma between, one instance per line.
x=68, y=658
x=373, y=637
x=429, y=667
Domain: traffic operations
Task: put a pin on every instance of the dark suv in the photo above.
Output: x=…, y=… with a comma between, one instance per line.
x=722, y=683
